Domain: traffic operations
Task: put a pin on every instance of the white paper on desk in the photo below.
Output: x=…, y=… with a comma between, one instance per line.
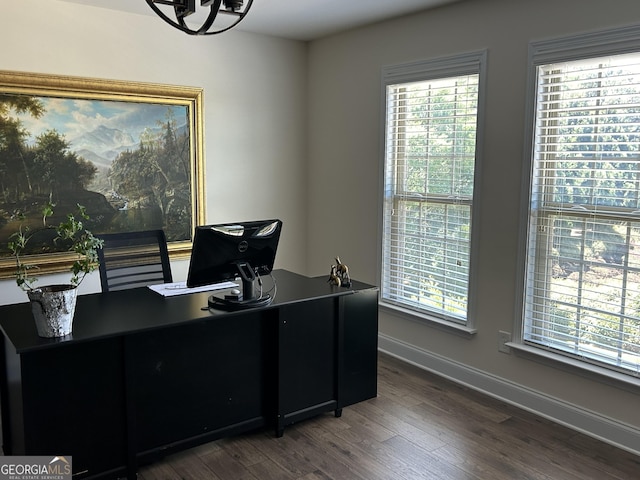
x=180, y=288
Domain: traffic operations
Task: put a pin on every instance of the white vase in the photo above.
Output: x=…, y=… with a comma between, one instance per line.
x=53, y=308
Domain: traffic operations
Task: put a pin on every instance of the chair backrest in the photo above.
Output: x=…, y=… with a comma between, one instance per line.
x=134, y=259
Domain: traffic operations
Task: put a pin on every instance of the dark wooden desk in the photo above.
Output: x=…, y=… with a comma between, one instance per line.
x=143, y=376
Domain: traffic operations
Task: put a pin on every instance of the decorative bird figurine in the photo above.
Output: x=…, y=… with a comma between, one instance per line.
x=334, y=279
x=339, y=275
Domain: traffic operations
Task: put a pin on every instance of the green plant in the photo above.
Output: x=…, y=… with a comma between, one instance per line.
x=82, y=242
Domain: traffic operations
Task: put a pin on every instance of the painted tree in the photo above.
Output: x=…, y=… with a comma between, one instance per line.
x=15, y=179
x=59, y=170
x=156, y=175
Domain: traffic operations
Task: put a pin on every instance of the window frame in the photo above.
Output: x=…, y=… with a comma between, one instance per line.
x=472, y=63
x=566, y=49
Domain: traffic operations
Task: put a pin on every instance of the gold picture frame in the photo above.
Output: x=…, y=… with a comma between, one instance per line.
x=128, y=133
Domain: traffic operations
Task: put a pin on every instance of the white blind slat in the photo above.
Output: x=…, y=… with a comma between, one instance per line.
x=583, y=270
x=429, y=171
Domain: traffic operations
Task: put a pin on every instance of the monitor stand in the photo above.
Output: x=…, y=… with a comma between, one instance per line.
x=247, y=298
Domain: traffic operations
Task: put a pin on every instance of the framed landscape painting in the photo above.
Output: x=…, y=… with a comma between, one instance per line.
x=130, y=153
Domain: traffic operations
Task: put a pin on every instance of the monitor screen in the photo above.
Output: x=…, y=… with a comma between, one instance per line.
x=227, y=251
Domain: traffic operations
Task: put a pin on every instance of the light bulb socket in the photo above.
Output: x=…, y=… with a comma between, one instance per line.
x=233, y=5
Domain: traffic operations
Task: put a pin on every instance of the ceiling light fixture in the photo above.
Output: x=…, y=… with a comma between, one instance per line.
x=233, y=10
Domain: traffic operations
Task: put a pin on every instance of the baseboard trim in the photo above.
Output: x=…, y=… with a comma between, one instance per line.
x=581, y=420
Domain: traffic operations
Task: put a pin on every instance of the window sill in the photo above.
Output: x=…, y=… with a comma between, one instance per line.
x=577, y=367
x=431, y=321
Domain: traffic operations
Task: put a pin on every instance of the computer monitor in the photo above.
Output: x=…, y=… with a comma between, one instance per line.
x=227, y=251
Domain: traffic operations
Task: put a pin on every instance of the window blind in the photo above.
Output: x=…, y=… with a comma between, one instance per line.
x=583, y=256
x=430, y=153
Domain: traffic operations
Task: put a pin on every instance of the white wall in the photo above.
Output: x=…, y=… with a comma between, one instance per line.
x=254, y=104
x=344, y=156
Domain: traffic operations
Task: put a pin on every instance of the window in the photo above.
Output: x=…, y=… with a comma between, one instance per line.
x=430, y=164
x=582, y=280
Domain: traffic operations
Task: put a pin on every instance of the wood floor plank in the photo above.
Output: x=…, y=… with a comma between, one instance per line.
x=375, y=463
x=364, y=426
x=428, y=465
x=225, y=464
x=315, y=476
x=559, y=449
x=420, y=434
x=188, y=466
x=485, y=463
x=352, y=446
x=319, y=452
x=420, y=426
x=478, y=433
x=447, y=396
x=618, y=463
x=269, y=470
x=410, y=422
x=395, y=388
x=241, y=449
x=281, y=451
x=158, y=471
x=378, y=462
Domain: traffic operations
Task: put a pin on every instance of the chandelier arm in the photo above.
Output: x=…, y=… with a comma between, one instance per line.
x=164, y=17
x=215, y=9
x=240, y=17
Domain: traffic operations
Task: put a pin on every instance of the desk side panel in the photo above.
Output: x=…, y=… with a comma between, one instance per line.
x=359, y=365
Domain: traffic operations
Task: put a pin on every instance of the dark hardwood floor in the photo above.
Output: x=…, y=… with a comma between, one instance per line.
x=419, y=427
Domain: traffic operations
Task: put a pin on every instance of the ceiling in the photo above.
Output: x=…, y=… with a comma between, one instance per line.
x=299, y=19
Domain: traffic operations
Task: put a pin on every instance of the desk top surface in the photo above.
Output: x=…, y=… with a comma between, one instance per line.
x=103, y=315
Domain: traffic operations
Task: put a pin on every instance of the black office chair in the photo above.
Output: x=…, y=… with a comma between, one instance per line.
x=134, y=259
